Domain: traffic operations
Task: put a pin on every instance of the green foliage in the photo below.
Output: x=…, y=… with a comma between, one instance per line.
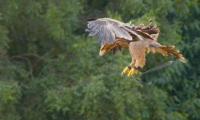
x=50, y=69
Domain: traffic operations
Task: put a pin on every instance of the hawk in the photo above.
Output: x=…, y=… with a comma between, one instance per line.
x=140, y=40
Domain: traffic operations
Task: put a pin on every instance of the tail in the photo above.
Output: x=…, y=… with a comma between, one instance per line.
x=175, y=53
x=165, y=51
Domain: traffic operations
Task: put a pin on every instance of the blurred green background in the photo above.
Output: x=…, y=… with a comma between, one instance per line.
x=50, y=69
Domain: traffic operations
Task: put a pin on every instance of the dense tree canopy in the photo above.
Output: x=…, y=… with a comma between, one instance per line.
x=50, y=69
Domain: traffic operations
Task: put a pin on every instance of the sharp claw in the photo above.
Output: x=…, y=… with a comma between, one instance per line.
x=126, y=69
x=132, y=71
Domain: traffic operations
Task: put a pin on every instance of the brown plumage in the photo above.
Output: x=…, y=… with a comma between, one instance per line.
x=140, y=39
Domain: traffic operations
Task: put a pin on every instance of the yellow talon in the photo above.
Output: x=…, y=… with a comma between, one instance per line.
x=126, y=69
x=132, y=71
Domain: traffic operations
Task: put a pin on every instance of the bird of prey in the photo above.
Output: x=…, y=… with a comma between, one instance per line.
x=140, y=39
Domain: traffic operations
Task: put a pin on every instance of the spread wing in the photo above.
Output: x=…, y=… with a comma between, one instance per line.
x=148, y=31
x=107, y=29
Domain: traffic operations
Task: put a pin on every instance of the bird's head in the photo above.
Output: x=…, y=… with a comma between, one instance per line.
x=105, y=48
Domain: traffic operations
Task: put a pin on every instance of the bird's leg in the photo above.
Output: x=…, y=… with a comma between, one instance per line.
x=133, y=70
x=126, y=69
x=130, y=69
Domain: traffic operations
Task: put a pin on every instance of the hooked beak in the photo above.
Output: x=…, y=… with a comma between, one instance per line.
x=102, y=52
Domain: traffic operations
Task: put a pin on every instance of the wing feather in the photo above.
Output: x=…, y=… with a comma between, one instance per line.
x=94, y=31
x=106, y=30
x=110, y=36
x=99, y=36
x=121, y=33
x=133, y=32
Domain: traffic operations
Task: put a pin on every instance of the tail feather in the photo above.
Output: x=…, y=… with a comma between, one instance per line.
x=165, y=51
x=175, y=53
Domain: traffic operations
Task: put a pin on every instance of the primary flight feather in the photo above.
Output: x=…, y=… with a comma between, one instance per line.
x=140, y=39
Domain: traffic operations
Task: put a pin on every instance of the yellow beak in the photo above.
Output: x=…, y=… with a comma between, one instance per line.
x=102, y=52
